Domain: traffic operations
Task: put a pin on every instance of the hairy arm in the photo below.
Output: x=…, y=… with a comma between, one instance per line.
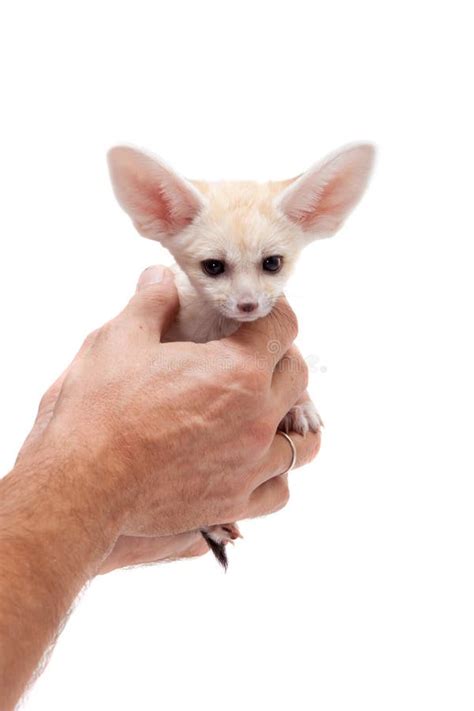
x=53, y=537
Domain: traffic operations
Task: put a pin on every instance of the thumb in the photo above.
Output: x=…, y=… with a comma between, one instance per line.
x=156, y=300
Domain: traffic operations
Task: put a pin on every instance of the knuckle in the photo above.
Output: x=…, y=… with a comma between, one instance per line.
x=315, y=446
x=287, y=317
x=153, y=298
x=236, y=360
x=296, y=365
x=261, y=433
x=90, y=339
x=278, y=495
x=105, y=331
x=234, y=508
x=45, y=400
x=311, y=449
x=303, y=370
x=243, y=370
x=281, y=493
x=157, y=297
x=284, y=493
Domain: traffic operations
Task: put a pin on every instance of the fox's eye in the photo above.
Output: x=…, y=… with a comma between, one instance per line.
x=213, y=267
x=272, y=264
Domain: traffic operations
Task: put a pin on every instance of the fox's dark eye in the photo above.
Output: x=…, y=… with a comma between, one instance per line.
x=272, y=264
x=213, y=267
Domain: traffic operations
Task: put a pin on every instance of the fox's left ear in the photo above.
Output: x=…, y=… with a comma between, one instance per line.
x=320, y=200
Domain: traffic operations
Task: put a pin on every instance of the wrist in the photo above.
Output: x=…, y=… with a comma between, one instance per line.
x=55, y=498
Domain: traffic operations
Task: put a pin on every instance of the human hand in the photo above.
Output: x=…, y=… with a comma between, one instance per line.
x=127, y=403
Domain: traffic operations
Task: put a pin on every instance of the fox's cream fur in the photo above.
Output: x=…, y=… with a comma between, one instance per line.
x=238, y=227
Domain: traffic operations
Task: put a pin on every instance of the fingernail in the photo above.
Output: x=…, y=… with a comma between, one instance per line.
x=152, y=275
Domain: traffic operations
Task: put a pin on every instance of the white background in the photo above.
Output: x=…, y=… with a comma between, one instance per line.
x=359, y=595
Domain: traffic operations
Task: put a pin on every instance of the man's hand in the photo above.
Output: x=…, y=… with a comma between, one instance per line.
x=136, y=446
x=176, y=436
x=160, y=299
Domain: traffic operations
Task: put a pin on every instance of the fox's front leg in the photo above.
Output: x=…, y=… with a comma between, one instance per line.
x=302, y=418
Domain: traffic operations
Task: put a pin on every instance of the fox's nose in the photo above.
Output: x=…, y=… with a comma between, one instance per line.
x=247, y=306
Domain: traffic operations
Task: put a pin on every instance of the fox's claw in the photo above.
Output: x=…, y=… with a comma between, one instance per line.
x=302, y=418
x=217, y=537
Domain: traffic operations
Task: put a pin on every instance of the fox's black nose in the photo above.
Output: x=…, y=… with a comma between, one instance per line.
x=247, y=306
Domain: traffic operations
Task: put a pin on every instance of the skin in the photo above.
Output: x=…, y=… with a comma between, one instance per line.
x=138, y=444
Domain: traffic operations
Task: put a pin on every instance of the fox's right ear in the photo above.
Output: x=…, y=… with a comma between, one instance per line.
x=159, y=201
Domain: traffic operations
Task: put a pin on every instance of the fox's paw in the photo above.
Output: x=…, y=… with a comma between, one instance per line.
x=302, y=418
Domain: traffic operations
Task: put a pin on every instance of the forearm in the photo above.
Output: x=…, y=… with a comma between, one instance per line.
x=52, y=541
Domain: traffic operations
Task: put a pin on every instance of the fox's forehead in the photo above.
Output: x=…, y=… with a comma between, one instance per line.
x=243, y=194
x=240, y=220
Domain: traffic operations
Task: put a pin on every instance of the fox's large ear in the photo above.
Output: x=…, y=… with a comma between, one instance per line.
x=320, y=200
x=159, y=201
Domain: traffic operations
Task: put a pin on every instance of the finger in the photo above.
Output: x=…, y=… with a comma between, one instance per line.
x=135, y=550
x=196, y=549
x=155, y=302
x=268, y=498
x=270, y=337
x=290, y=379
x=279, y=456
